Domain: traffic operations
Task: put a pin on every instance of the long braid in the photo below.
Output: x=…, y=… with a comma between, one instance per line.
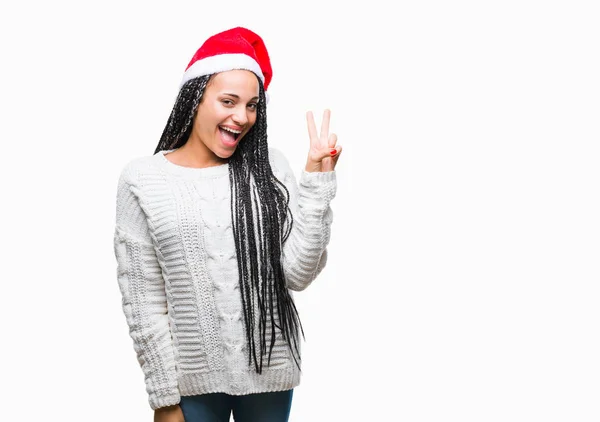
x=179, y=126
x=262, y=197
x=261, y=220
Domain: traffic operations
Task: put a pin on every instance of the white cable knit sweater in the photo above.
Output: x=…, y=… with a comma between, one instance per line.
x=178, y=275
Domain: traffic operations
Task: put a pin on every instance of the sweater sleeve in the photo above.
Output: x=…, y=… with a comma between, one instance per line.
x=305, y=251
x=143, y=294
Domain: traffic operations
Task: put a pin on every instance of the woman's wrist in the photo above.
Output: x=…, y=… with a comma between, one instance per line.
x=312, y=166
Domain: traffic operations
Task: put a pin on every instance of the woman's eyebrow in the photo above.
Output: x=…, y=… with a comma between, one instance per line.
x=237, y=96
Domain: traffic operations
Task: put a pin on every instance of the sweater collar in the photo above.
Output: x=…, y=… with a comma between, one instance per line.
x=189, y=172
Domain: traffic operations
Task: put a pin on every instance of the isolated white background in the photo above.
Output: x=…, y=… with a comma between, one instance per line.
x=462, y=282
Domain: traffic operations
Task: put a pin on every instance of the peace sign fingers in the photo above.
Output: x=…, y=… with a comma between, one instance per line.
x=320, y=157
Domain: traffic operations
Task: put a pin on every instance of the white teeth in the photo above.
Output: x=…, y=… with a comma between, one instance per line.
x=237, y=132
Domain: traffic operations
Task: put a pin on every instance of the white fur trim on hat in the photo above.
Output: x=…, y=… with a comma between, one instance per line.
x=221, y=63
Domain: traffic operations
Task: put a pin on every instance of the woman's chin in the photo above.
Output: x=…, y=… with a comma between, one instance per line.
x=225, y=152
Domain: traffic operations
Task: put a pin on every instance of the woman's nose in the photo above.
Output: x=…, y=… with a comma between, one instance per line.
x=240, y=116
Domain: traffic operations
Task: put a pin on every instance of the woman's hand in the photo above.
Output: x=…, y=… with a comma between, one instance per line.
x=323, y=153
x=169, y=414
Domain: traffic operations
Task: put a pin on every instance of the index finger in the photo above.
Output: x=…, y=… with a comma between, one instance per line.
x=325, y=124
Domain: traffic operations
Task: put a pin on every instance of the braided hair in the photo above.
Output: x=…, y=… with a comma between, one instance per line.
x=261, y=220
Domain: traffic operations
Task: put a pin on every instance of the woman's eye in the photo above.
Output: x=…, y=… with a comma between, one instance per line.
x=227, y=102
x=253, y=106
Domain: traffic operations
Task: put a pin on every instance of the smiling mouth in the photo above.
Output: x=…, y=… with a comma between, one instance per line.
x=230, y=135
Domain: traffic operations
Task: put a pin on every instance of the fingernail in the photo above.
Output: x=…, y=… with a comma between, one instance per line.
x=333, y=152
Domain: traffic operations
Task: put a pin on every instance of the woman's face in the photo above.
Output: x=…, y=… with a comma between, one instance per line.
x=226, y=113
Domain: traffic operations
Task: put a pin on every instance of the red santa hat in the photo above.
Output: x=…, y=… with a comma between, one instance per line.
x=236, y=48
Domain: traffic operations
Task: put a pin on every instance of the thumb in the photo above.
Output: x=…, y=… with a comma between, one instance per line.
x=335, y=157
x=330, y=152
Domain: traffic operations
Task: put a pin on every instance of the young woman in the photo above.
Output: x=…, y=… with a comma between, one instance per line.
x=213, y=233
